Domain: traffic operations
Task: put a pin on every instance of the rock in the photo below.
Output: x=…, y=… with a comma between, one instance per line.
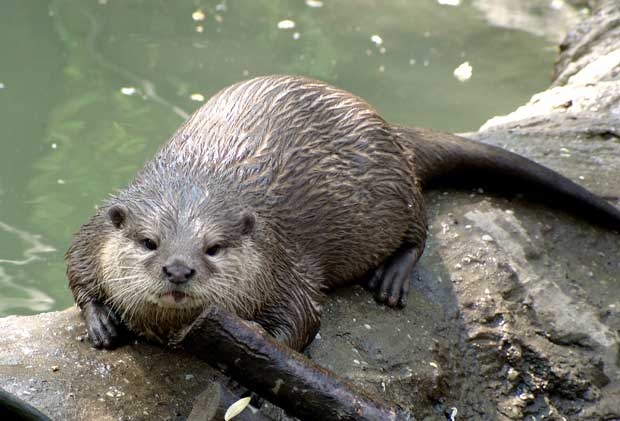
x=593, y=44
x=534, y=304
x=47, y=361
x=553, y=18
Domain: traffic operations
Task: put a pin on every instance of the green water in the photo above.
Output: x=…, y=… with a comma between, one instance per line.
x=70, y=134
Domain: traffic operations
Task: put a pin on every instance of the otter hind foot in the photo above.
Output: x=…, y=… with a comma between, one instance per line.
x=103, y=325
x=391, y=280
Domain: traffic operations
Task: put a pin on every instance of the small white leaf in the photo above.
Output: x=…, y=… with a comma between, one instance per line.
x=198, y=15
x=236, y=408
x=463, y=72
x=197, y=97
x=286, y=24
x=376, y=39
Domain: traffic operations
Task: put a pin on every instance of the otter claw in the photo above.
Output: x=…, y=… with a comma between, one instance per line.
x=104, y=327
x=391, y=280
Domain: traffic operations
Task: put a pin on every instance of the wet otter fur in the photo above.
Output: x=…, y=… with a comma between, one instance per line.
x=275, y=190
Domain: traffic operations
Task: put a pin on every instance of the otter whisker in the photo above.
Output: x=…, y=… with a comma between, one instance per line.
x=129, y=300
x=123, y=278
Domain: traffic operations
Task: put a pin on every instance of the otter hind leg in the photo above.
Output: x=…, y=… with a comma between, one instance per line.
x=104, y=327
x=391, y=281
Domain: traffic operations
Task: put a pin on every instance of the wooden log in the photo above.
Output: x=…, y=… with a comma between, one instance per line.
x=277, y=373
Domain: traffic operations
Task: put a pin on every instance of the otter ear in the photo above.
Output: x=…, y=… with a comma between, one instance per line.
x=117, y=215
x=248, y=222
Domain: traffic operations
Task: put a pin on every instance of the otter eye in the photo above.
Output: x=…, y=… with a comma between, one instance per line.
x=149, y=244
x=213, y=250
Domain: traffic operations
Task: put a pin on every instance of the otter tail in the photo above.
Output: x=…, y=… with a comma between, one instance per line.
x=442, y=159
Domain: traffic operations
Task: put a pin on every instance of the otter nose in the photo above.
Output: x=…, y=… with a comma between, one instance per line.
x=178, y=273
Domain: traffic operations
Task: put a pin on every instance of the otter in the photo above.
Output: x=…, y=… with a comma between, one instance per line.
x=278, y=189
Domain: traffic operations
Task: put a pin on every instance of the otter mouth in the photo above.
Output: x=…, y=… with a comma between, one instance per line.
x=175, y=298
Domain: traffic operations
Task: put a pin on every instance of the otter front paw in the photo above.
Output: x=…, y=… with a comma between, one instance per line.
x=104, y=327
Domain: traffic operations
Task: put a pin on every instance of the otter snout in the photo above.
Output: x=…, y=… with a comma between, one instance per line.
x=178, y=272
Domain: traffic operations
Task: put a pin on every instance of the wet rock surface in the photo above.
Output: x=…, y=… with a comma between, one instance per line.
x=514, y=312
x=548, y=18
x=47, y=361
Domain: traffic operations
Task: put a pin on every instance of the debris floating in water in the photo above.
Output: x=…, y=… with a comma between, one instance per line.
x=197, y=97
x=286, y=24
x=314, y=3
x=463, y=72
x=376, y=39
x=128, y=90
x=198, y=15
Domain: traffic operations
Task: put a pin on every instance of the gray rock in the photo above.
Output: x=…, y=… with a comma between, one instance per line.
x=547, y=18
x=47, y=361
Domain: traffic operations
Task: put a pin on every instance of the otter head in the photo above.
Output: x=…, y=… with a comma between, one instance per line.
x=165, y=259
